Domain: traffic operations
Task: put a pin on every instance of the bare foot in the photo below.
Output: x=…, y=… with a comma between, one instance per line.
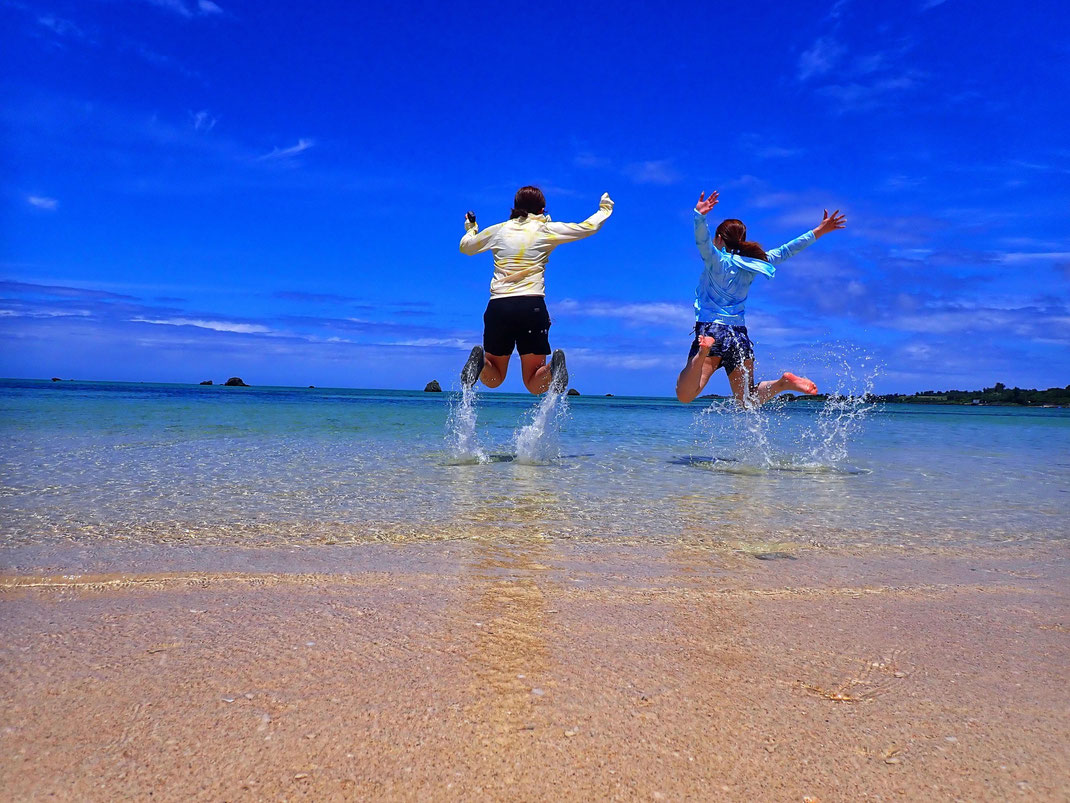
x=799, y=383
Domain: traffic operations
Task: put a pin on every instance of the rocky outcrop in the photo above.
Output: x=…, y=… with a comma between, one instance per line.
x=573, y=392
x=235, y=382
x=311, y=387
x=433, y=387
x=609, y=395
x=207, y=382
x=56, y=379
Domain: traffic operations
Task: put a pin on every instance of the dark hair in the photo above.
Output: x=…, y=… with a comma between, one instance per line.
x=734, y=234
x=528, y=201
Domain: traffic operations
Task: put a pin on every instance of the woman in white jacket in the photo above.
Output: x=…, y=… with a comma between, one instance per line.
x=516, y=315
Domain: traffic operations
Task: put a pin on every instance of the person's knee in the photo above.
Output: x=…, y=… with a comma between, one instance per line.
x=493, y=382
x=684, y=397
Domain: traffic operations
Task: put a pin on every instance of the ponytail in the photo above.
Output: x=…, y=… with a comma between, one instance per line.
x=734, y=235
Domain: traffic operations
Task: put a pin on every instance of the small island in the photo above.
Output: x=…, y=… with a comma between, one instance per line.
x=235, y=382
x=433, y=387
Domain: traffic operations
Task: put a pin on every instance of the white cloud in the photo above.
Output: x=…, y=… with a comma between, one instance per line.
x=217, y=326
x=423, y=342
x=45, y=313
x=661, y=313
x=42, y=202
x=61, y=27
x=861, y=97
x=1028, y=257
x=284, y=153
x=588, y=159
x=203, y=8
x=820, y=58
x=202, y=120
x=658, y=171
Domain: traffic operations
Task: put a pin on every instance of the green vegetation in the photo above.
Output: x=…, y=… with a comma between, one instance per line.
x=998, y=394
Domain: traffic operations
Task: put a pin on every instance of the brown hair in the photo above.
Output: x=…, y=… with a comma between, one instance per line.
x=734, y=234
x=528, y=201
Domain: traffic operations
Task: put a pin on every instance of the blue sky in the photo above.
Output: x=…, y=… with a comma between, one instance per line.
x=197, y=189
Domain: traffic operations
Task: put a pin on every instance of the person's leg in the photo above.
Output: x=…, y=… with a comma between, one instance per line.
x=750, y=395
x=494, y=369
x=536, y=373
x=700, y=367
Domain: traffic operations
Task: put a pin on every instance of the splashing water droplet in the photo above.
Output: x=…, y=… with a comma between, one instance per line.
x=537, y=441
x=461, y=435
x=781, y=435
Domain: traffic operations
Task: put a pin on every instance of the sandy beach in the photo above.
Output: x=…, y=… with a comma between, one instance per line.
x=534, y=671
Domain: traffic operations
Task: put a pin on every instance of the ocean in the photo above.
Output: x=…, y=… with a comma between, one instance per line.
x=102, y=463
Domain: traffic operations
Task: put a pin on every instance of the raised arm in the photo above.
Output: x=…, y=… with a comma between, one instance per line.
x=828, y=223
x=567, y=232
x=702, y=229
x=474, y=240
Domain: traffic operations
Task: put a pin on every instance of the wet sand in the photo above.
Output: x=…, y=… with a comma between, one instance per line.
x=489, y=670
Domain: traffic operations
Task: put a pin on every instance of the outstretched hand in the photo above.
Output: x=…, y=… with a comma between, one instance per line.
x=830, y=223
x=705, y=204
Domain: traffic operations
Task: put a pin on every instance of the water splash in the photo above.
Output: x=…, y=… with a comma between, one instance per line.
x=538, y=441
x=461, y=438
x=788, y=436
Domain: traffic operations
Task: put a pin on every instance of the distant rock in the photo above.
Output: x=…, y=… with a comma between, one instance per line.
x=56, y=379
x=433, y=387
x=207, y=382
x=311, y=387
x=609, y=395
x=235, y=382
x=573, y=392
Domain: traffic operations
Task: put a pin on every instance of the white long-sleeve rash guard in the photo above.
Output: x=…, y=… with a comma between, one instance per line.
x=522, y=246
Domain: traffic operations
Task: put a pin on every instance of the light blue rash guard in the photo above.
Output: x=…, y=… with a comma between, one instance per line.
x=725, y=281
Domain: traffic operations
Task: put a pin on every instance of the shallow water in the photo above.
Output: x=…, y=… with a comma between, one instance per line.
x=86, y=462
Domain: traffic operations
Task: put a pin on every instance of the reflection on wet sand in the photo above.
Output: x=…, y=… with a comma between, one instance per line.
x=506, y=600
x=665, y=672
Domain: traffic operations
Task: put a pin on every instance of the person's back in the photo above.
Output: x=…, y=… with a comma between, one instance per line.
x=522, y=245
x=516, y=316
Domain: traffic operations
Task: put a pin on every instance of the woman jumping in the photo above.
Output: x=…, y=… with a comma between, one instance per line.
x=721, y=338
x=516, y=315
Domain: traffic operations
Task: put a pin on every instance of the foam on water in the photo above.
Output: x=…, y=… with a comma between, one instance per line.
x=461, y=438
x=538, y=441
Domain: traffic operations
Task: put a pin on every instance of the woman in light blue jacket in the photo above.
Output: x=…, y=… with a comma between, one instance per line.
x=721, y=338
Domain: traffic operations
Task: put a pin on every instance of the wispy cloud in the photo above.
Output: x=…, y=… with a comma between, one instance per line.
x=202, y=120
x=589, y=160
x=61, y=27
x=217, y=326
x=658, y=171
x=859, y=96
x=821, y=57
x=661, y=313
x=763, y=148
x=285, y=153
x=202, y=8
x=43, y=202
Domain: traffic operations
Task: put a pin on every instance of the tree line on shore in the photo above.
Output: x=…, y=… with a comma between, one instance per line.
x=997, y=394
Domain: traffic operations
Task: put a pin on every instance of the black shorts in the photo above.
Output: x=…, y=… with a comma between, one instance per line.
x=520, y=322
x=731, y=344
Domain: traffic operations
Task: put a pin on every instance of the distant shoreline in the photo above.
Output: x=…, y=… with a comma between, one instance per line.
x=997, y=396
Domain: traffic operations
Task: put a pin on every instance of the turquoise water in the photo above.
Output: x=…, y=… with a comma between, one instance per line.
x=90, y=463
